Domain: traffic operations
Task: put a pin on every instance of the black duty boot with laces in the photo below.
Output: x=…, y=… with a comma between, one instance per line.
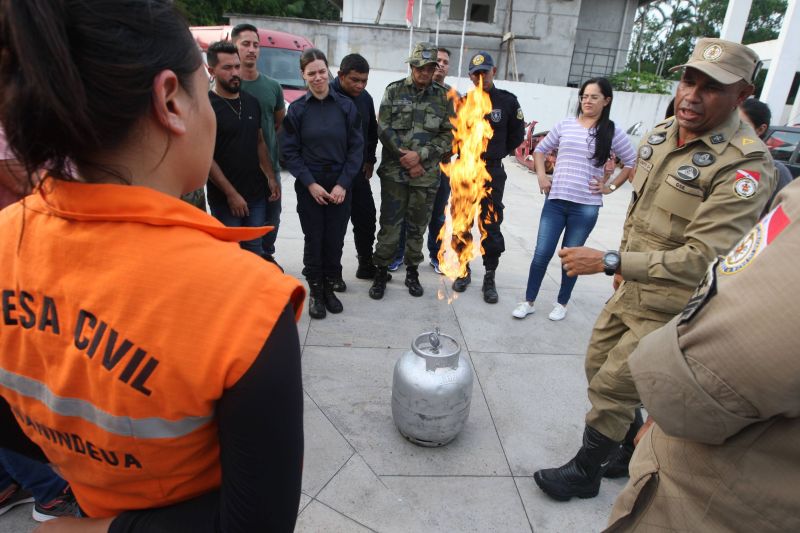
x=460, y=284
x=618, y=467
x=582, y=475
x=412, y=281
x=379, y=283
x=366, y=269
x=489, y=289
x=332, y=303
x=316, y=299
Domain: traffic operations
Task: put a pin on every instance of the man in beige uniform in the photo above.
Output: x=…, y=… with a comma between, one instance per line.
x=701, y=180
x=722, y=382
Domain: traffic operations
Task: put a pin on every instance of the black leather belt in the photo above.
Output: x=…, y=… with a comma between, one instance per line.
x=493, y=163
x=325, y=168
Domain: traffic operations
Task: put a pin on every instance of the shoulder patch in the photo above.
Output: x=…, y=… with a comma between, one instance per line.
x=754, y=242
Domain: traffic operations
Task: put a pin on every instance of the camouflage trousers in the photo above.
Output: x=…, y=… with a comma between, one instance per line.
x=399, y=202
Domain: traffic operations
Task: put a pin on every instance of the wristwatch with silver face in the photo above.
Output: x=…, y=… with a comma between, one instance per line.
x=612, y=187
x=611, y=261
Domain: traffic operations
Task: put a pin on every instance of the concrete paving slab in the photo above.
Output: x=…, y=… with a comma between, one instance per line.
x=353, y=387
x=305, y=499
x=326, y=451
x=538, y=403
x=359, y=494
x=585, y=516
x=464, y=504
x=18, y=520
x=317, y=517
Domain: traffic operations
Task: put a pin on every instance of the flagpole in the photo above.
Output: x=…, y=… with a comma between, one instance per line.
x=437, y=32
x=461, y=55
x=410, y=22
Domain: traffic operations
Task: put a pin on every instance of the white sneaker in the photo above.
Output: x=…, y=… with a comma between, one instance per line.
x=558, y=312
x=522, y=310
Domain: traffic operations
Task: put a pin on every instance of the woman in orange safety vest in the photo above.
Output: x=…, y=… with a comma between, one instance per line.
x=150, y=359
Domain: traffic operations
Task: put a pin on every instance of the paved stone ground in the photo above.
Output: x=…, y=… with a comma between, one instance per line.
x=529, y=397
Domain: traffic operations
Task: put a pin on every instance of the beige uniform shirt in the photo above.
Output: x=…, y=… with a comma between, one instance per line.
x=722, y=382
x=690, y=204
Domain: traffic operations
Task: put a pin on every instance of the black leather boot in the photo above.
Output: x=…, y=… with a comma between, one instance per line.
x=316, y=299
x=366, y=269
x=460, y=284
x=379, y=283
x=337, y=283
x=489, y=290
x=412, y=281
x=582, y=475
x=332, y=303
x=618, y=467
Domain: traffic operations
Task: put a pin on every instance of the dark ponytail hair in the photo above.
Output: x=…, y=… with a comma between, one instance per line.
x=77, y=75
x=603, y=133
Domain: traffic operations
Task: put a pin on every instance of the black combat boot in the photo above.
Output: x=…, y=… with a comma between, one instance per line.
x=582, y=475
x=412, y=281
x=489, y=290
x=316, y=299
x=366, y=269
x=460, y=284
x=618, y=467
x=332, y=303
x=337, y=283
x=379, y=283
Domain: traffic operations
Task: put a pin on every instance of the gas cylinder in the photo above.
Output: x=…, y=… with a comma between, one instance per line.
x=431, y=390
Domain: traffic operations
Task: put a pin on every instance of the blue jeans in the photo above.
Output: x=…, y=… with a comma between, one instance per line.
x=576, y=221
x=32, y=475
x=257, y=217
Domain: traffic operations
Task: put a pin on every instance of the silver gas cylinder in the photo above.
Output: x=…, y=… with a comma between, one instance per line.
x=431, y=390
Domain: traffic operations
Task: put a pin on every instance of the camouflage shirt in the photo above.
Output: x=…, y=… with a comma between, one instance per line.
x=416, y=120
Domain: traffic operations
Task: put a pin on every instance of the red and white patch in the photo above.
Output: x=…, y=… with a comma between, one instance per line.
x=746, y=183
x=754, y=242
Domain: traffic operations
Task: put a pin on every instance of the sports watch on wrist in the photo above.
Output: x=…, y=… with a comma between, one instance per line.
x=611, y=261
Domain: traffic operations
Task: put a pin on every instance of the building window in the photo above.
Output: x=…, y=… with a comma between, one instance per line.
x=479, y=10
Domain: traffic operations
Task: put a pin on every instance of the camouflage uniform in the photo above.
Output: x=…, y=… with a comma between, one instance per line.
x=196, y=198
x=417, y=120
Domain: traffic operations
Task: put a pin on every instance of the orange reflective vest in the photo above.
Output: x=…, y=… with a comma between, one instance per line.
x=124, y=315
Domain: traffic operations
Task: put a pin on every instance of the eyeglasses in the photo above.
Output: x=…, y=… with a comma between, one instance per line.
x=592, y=97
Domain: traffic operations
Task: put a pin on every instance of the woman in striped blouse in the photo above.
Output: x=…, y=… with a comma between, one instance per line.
x=575, y=192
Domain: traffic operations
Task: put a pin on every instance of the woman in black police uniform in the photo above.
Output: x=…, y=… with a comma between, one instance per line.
x=322, y=144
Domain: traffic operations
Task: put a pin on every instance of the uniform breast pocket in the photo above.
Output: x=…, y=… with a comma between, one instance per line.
x=639, y=179
x=402, y=117
x=433, y=120
x=680, y=203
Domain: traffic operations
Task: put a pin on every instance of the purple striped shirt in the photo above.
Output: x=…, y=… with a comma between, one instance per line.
x=574, y=164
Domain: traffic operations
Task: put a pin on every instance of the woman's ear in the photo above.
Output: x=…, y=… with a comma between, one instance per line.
x=170, y=103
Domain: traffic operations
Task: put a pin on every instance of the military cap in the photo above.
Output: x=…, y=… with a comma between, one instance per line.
x=423, y=54
x=481, y=61
x=725, y=61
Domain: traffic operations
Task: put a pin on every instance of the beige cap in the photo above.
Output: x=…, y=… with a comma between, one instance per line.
x=725, y=61
x=423, y=54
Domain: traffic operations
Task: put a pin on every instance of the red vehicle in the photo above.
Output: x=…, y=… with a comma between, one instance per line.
x=524, y=152
x=279, y=58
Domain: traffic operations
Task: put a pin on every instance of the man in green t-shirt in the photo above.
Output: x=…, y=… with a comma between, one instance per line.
x=270, y=97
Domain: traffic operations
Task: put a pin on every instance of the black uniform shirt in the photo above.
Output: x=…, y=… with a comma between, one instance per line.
x=507, y=122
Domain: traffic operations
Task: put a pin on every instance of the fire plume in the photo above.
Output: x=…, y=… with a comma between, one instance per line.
x=468, y=179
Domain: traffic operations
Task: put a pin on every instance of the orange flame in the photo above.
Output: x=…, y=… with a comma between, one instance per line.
x=468, y=179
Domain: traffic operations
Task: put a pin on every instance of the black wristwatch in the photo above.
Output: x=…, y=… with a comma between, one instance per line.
x=611, y=260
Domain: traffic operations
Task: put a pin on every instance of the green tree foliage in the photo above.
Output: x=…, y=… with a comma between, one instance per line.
x=639, y=82
x=210, y=12
x=665, y=31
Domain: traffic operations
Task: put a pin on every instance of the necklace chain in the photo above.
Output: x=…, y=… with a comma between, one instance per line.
x=239, y=112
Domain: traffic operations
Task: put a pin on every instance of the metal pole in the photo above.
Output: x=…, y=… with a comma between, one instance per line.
x=437, y=32
x=461, y=55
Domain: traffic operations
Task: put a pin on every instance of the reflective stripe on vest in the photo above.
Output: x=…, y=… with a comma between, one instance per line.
x=143, y=428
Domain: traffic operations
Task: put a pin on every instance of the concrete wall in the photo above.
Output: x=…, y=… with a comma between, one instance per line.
x=547, y=104
x=602, y=37
x=545, y=31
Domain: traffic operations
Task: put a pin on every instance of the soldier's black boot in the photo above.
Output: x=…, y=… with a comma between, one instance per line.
x=332, y=303
x=316, y=299
x=460, y=284
x=379, y=283
x=582, y=475
x=618, y=467
x=366, y=269
x=337, y=284
x=489, y=289
x=412, y=281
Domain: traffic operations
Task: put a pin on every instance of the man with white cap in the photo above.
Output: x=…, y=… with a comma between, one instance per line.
x=701, y=181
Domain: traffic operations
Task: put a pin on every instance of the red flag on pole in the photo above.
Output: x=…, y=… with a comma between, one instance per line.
x=410, y=13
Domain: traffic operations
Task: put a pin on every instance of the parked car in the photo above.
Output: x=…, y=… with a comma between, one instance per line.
x=524, y=152
x=279, y=58
x=783, y=143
